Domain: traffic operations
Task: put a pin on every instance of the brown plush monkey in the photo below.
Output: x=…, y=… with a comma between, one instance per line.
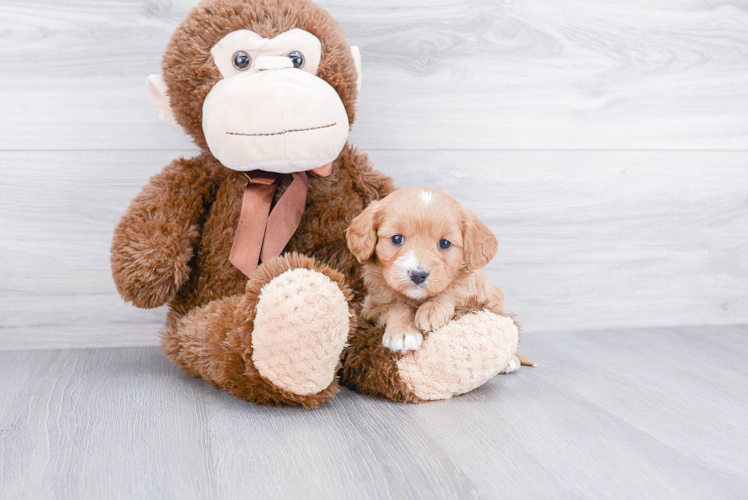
x=267, y=90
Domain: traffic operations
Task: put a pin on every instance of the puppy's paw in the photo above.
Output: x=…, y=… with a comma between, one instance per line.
x=513, y=365
x=402, y=340
x=433, y=315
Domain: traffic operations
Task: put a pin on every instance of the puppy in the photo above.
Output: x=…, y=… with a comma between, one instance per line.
x=422, y=254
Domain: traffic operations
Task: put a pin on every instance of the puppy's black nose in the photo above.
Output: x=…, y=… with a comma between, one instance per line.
x=418, y=276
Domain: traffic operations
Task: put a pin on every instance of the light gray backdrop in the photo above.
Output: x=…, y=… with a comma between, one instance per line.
x=604, y=142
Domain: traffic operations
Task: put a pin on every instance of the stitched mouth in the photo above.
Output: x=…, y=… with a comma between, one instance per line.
x=284, y=131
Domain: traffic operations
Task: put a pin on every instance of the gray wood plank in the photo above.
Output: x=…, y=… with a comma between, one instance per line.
x=587, y=239
x=57, y=215
x=607, y=414
x=437, y=74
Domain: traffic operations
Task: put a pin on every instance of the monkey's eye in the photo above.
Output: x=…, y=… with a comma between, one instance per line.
x=397, y=239
x=297, y=58
x=444, y=244
x=242, y=60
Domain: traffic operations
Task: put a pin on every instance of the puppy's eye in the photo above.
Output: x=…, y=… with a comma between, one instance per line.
x=242, y=60
x=397, y=239
x=444, y=244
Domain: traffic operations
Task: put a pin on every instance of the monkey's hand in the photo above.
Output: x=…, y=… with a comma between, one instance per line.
x=154, y=242
x=434, y=313
x=150, y=258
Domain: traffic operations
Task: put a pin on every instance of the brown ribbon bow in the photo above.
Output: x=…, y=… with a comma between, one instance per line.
x=262, y=234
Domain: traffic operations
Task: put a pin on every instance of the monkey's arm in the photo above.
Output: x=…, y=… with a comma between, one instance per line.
x=154, y=241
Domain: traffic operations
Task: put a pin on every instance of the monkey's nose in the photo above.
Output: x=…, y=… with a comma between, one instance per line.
x=418, y=276
x=273, y=62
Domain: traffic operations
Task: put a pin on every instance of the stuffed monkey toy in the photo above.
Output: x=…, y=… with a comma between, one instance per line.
x=246, y=241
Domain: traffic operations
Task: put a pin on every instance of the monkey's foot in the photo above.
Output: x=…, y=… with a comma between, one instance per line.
x=300, y=329
x=460, y=356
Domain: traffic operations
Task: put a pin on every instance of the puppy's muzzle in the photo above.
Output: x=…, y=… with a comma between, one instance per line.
x=418, y=276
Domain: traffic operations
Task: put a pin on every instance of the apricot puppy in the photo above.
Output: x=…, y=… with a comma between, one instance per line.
x=422, y=254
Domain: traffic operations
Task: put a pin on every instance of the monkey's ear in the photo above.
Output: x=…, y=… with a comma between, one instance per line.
x=361, y=235
x=357, y=60
x=155, y=87
x=479, y=243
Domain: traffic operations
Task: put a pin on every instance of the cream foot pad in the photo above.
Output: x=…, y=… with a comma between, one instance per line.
x=301, y=326
x=461, y=356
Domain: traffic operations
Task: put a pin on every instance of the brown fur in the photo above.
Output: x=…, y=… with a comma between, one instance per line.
x=370, y=368
x=173, y=243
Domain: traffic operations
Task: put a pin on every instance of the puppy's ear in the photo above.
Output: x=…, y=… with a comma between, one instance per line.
x=479, y=245
x=362, y=233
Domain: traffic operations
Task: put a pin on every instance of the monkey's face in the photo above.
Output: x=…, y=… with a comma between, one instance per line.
x=270, y=111
x=267, y=101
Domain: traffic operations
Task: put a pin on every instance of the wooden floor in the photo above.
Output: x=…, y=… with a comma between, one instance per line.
x=607, y=414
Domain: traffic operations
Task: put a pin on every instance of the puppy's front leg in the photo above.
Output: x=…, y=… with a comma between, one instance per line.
x=435, y=313
x=400, y=333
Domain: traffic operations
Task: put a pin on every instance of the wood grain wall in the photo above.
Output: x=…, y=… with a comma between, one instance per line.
x=605, y=143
